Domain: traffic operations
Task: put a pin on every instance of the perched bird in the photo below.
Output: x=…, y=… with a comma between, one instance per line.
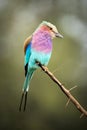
x=37, y=47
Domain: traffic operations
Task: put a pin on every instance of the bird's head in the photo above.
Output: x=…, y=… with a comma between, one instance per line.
x=47, y=26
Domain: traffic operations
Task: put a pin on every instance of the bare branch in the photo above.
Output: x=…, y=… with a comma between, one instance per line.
x=64, y=90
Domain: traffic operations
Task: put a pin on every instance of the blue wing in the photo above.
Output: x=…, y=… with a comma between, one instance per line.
x=27, y=57
x=27, y=51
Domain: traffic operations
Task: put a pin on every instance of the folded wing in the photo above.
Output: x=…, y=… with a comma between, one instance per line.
x=27, y=52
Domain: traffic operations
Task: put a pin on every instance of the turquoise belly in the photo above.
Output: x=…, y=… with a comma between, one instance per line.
x=38, y=56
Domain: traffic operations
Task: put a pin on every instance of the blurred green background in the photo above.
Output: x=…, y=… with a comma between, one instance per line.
x=46, y=103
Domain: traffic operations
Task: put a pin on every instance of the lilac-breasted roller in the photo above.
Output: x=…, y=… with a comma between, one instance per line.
x=37, y=47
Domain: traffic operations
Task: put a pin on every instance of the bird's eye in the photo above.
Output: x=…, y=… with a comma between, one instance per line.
x=50, y=28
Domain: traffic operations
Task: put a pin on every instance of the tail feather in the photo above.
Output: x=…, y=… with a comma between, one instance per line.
x=25, y=89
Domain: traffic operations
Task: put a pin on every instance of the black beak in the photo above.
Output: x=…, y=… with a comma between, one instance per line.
x=59, y=35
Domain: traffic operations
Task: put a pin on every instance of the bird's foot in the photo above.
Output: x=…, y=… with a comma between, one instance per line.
x=45, y=68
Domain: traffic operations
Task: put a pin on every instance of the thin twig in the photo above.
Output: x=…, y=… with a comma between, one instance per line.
x=82, y=115
x=69, y=98
x=64, y=90
x=72, y=88
x=67, y=102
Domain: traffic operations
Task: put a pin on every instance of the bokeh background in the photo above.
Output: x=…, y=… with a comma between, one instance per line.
x=46, y=103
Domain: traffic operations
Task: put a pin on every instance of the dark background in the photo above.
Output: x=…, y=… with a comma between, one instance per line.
x=46, y=103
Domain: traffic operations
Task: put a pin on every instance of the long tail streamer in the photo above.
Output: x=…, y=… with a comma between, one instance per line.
x=24, y=96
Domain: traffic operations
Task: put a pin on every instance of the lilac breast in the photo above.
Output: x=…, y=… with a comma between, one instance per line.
x=42, y=42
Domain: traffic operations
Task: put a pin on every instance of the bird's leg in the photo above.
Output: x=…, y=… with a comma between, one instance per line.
x=21, y=101
x=41, y=65
x=25, y=101
x=45, y=68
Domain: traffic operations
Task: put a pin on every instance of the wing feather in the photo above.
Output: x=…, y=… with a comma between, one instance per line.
x=27, y=42
x=27, y=52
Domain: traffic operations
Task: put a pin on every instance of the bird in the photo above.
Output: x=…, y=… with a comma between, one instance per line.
x=37, y=47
